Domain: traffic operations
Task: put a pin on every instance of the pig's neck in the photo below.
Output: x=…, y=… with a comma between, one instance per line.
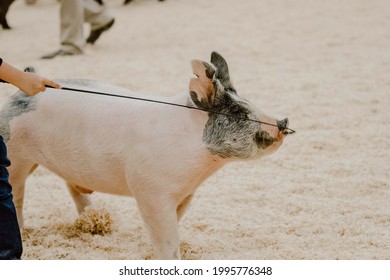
x=198, y=119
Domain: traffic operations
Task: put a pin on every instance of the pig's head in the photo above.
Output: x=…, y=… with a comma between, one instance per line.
x=228, y=132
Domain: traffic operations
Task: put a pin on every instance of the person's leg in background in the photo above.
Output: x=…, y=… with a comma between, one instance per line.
x=99, y=18
x=72, y=21
x=71, y=29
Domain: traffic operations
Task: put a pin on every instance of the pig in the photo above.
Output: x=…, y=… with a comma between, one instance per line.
x=4, y=6
x=156, y=153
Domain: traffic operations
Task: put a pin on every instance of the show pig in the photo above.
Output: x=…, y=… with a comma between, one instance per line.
x=157, y=153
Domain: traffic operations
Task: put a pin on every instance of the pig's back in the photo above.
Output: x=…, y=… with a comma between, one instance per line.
x=88, y=138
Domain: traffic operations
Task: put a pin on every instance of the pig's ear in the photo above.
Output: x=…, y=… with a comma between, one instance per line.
x=202, y=88
x=222, y=73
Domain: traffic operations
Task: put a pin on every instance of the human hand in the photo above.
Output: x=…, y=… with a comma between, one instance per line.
x=28, y=82
x=32, y=83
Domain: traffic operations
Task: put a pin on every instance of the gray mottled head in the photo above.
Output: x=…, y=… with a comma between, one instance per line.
x=225, y=134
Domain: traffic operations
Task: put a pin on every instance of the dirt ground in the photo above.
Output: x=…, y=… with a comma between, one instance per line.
x=324, y=64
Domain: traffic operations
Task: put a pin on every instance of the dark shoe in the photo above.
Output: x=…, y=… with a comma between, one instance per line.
x=4, y=23
x=95, y=34
x=128, y=1
x=4, y=6
x=56, y=53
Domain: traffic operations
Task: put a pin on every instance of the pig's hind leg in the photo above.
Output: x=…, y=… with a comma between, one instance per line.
x=18, y=173
x=80, y=196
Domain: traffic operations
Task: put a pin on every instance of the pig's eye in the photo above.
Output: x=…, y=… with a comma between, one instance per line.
x=240, y=111
x=236, y=109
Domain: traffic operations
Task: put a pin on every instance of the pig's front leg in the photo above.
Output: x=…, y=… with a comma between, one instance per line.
x=183, y=206
x=160, y=217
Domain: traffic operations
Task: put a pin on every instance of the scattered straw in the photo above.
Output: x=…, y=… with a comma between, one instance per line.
x=92, y=221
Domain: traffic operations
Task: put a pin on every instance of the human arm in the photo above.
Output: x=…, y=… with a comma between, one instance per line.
x=30, y=83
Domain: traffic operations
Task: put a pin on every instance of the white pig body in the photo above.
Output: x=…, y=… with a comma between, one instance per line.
x=98, y=141
x=155, y=152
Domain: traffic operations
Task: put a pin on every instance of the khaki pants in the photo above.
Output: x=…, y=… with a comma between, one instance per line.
x=73, y=14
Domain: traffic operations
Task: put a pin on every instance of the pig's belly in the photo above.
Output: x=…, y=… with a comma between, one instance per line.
x=105, y=179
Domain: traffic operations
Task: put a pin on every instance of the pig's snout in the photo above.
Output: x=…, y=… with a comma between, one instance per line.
x=282, y=125
x=263, y=139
